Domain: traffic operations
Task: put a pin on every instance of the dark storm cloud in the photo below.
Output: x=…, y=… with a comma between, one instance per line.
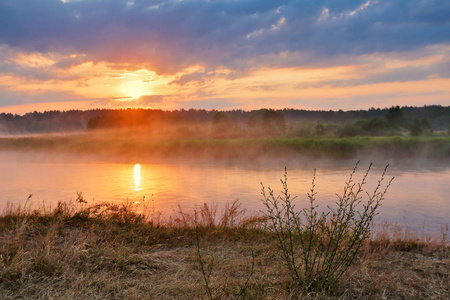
x=171, y=35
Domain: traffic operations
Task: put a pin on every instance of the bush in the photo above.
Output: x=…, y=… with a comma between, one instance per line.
x=319, y=247
x=350, y=130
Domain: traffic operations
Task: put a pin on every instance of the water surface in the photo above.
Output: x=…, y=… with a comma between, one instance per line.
x=417, y=198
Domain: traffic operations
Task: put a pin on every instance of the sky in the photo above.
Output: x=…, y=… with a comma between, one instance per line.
x=223, y=54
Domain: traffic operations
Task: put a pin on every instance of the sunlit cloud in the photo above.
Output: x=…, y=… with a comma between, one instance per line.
x=362, y=7
x=170, y=54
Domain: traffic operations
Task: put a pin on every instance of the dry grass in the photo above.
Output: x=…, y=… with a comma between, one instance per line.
x=112, y=252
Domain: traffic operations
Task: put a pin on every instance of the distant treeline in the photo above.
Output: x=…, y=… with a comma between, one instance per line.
x=289, y=122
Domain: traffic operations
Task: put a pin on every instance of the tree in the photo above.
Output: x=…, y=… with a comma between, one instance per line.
x=221, y=123
x=251, y=122
x=419, y=127
x=319, y=130
x=395, y=115
x=416, y=127
x=274, y=121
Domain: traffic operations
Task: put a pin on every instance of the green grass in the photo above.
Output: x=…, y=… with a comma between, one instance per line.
x=112, y=144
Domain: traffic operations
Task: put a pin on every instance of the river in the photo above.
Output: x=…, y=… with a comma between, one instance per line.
x=418, y=198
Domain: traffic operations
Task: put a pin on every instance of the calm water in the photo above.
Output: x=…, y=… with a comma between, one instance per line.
x=418, y=197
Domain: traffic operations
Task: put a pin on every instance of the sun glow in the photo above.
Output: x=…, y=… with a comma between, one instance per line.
x=137, y=177
x=134, y=89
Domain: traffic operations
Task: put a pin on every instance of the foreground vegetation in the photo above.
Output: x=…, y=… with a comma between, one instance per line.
x=109, y=252
x=112, y=251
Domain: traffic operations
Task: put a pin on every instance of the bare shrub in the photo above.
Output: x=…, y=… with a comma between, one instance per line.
x=318, y=248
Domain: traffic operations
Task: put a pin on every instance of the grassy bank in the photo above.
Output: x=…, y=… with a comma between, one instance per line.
x=111, y=252
x=131, y=145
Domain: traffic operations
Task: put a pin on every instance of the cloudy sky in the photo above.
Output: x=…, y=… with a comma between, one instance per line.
x=223, y=54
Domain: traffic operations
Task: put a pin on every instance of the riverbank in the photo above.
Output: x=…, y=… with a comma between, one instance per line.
x=112, y=252
x=126, y=145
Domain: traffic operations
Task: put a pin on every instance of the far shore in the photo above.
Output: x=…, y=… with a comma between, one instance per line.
x=123, y=145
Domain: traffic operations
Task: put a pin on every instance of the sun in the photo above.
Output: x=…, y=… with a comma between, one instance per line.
x=133, y=89
x=129, y=85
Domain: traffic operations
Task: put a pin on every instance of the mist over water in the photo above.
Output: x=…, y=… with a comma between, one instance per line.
x=418, y=197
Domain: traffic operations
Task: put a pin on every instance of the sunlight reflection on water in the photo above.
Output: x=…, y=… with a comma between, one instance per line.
x=137, y=177
x=417, y=197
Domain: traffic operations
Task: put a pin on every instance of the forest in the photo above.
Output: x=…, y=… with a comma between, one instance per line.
x=391, y=121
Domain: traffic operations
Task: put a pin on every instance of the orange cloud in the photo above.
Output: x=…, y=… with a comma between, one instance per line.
x=368, y=80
